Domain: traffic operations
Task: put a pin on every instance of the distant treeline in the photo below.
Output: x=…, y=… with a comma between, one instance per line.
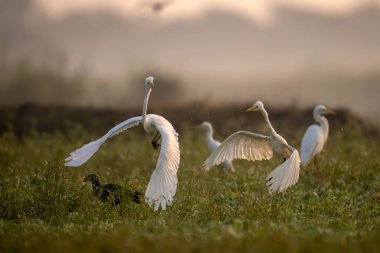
x=30, y=119
x=25, y=82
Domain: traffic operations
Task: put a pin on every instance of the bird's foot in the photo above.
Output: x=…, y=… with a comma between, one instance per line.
x=155, y=140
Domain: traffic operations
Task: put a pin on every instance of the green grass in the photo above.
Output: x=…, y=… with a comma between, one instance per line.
x=44, y=207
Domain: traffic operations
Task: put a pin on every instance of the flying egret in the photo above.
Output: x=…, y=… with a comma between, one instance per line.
x=316, y=135
x=252, y=146
x=163, y=182
x=213, y=144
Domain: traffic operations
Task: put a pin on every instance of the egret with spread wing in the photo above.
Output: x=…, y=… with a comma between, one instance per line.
x=253, y=147
x=213, y=144
x=316, y=135
x=163, y=182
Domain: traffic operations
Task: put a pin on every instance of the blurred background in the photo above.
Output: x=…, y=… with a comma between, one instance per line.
x=94, y=53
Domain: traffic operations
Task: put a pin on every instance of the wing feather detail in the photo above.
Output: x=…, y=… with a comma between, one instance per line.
x=83, y=154
x=241, y=145
x=163, y=181
x=285, y=175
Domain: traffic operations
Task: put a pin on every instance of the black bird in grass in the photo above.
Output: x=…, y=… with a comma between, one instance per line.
x=104, y=191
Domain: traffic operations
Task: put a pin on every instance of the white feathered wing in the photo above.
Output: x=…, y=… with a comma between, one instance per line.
x=241, y=145
x=83, y=154
x=285, y=175
x=163, y=182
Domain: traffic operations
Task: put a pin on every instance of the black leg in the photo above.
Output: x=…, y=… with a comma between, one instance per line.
x=155, y=140
x=283, y=160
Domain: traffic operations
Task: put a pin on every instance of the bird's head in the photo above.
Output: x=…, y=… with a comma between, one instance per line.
x=149, y=82
x=258, y=106
x=206, y=125
x=91, y=177
x=322, y=110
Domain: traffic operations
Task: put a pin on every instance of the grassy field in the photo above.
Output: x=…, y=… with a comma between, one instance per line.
x=44, y=206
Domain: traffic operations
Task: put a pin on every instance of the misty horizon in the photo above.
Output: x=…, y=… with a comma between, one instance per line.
x=313, y=57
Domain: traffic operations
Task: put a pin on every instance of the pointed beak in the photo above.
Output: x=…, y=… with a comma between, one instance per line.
x=330, y=112
x=153, y=84
x=250, y=109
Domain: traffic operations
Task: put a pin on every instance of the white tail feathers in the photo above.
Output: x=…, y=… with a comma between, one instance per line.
x=81, y=155
x=285, y=175
x=307, y=153
x=305, y=160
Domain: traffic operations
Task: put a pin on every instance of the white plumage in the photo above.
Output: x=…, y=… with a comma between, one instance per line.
x=316, y=135
x=253, y=147
x=213, y=144
x=163, y=181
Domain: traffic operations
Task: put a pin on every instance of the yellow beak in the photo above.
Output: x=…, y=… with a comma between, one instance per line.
x=330, y=112
x=250, y=109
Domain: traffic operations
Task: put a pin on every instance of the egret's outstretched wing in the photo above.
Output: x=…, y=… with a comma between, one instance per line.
x=81, y=155
x=312, y=143
x=241, y=145
x=163, y=182
x=286, y=174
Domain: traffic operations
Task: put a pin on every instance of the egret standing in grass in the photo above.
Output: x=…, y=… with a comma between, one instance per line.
x=213, y=144
x=316, y=135
x=163, y=182
x=253, y=147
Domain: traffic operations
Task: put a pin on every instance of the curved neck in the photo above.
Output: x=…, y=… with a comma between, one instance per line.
x=266, y=118
x=145, y=105
x=209, y=134
x=323, y=123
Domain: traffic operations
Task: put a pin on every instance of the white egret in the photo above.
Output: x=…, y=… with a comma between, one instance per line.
x=316, y=135
x=163, y=182
x=252, y=146
x=213, y=144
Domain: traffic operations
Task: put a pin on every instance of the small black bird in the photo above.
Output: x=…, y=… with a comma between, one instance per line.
x=104, y=191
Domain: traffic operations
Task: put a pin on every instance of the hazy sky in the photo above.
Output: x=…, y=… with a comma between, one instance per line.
x=259, y=10
x=313, y=49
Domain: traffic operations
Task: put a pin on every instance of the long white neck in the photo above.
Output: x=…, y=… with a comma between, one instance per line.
x=323, y=123
x=266, y=118
x=148, y=90
x=209, y=134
